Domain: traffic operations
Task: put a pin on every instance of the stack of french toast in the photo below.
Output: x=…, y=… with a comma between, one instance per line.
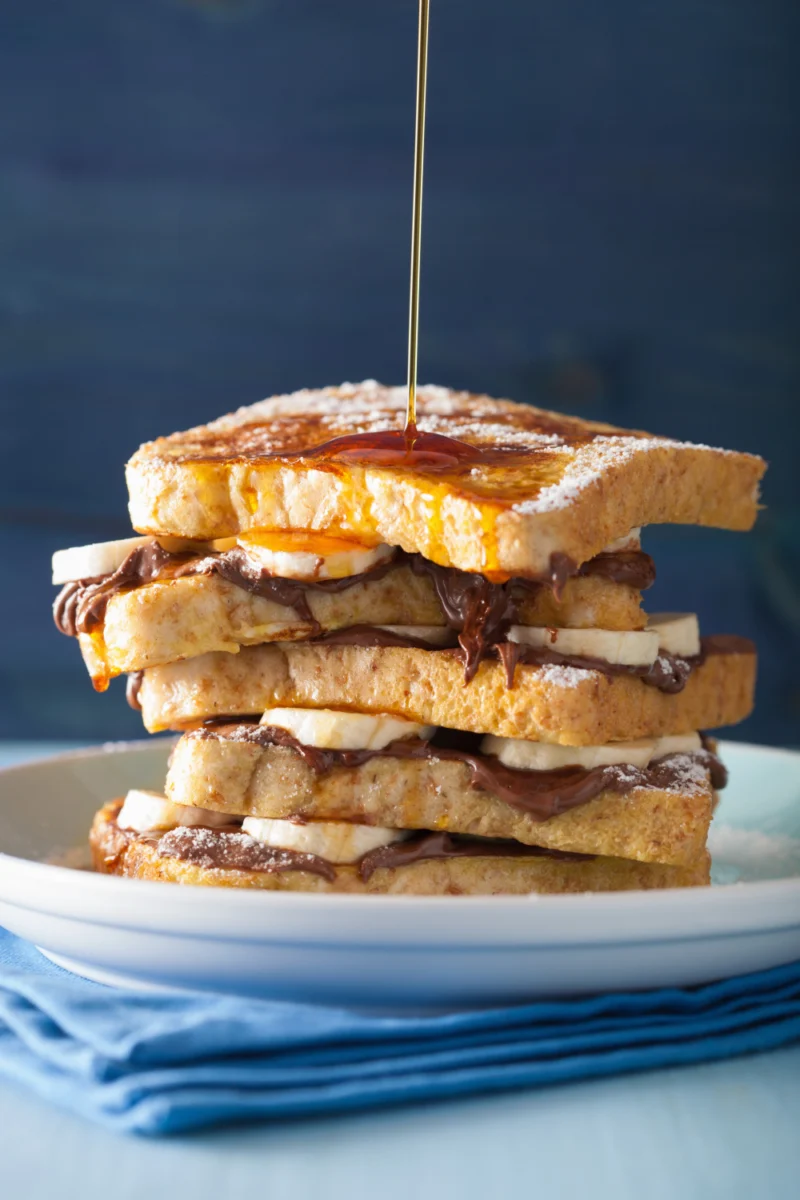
x=421, y=672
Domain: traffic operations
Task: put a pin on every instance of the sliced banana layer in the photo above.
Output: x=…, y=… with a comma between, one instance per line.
x=678, y=633
x=670, y=633
x=145, y=811
x=89, y=562
x=336, y=841
x=301, y=555
x=677, y=743
x=331, y=729
x=312, y=556
x=629, y=648
x=537, y=756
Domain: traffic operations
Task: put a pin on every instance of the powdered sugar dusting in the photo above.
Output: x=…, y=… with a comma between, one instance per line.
x=582, y=472
x=362, y=400
x=204, y=844
x=564, y=677
x=213, y=848
x=690, y=774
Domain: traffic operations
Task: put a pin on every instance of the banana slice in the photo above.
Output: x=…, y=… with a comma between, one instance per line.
x=88, y=562
x=437, y=635
x=144, y=811
x=336, y=841
x=677, y=743
x=538, y=756
x=330, y=729
x=311, y=556
x=678, y=633
x=631, y=541
x=628, y=648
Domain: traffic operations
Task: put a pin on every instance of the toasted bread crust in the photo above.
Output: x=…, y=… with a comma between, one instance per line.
x=584, y=485
x=167, y=621
x=648, y=824
x=139, y=859
x=549, y=704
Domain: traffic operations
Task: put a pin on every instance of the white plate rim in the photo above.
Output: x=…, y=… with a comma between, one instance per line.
x=733, y=908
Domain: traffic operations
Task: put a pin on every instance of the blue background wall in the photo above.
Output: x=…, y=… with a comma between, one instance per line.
x=204, y=203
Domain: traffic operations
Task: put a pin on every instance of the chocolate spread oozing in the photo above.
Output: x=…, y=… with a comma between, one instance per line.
x=81, y=606
x=479, y=611
x=539, y=794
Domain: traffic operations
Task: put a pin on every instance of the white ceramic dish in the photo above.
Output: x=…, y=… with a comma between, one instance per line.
x=395, y=952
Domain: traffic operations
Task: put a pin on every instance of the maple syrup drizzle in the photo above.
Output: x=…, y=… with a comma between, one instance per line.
x=412, y=448
x=416, y=223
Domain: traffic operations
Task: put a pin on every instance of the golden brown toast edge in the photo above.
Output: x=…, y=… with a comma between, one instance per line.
x=549, y=704
x=667, y=825
x=139, y=859
x=585, y=485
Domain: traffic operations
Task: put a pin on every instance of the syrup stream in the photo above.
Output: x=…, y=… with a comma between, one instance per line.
x=411, y=448
x=416, y=223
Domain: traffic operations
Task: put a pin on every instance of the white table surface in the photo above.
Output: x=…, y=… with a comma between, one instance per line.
x=726, y=1130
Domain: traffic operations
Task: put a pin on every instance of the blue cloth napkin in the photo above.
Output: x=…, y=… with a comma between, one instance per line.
x=160, y=1063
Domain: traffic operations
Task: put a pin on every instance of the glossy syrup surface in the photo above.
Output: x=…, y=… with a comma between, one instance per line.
x=411, y=448
x=494, y=450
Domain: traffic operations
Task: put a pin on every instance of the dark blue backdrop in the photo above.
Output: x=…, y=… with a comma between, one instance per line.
x=203, y=203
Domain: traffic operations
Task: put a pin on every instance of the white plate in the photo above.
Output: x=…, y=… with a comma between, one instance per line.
x=395, y=951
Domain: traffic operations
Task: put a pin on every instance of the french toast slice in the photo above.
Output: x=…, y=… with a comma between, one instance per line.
x=117, y=852
x=562, y=704
x=667, y=824
x=174, y=619
x=552, y=486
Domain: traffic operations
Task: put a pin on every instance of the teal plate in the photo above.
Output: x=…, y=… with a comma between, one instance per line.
x=756, y=830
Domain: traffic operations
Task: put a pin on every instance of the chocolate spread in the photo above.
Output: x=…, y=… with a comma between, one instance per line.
x=479, y=611
x=81, y=606
x=539, y=794
x=668, y=673
x=210, y=847
x=232, y=850
x=236, y=851
x=449, y=845
x=372, y=635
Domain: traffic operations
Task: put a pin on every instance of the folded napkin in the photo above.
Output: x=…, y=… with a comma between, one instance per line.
x=159, y=1063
